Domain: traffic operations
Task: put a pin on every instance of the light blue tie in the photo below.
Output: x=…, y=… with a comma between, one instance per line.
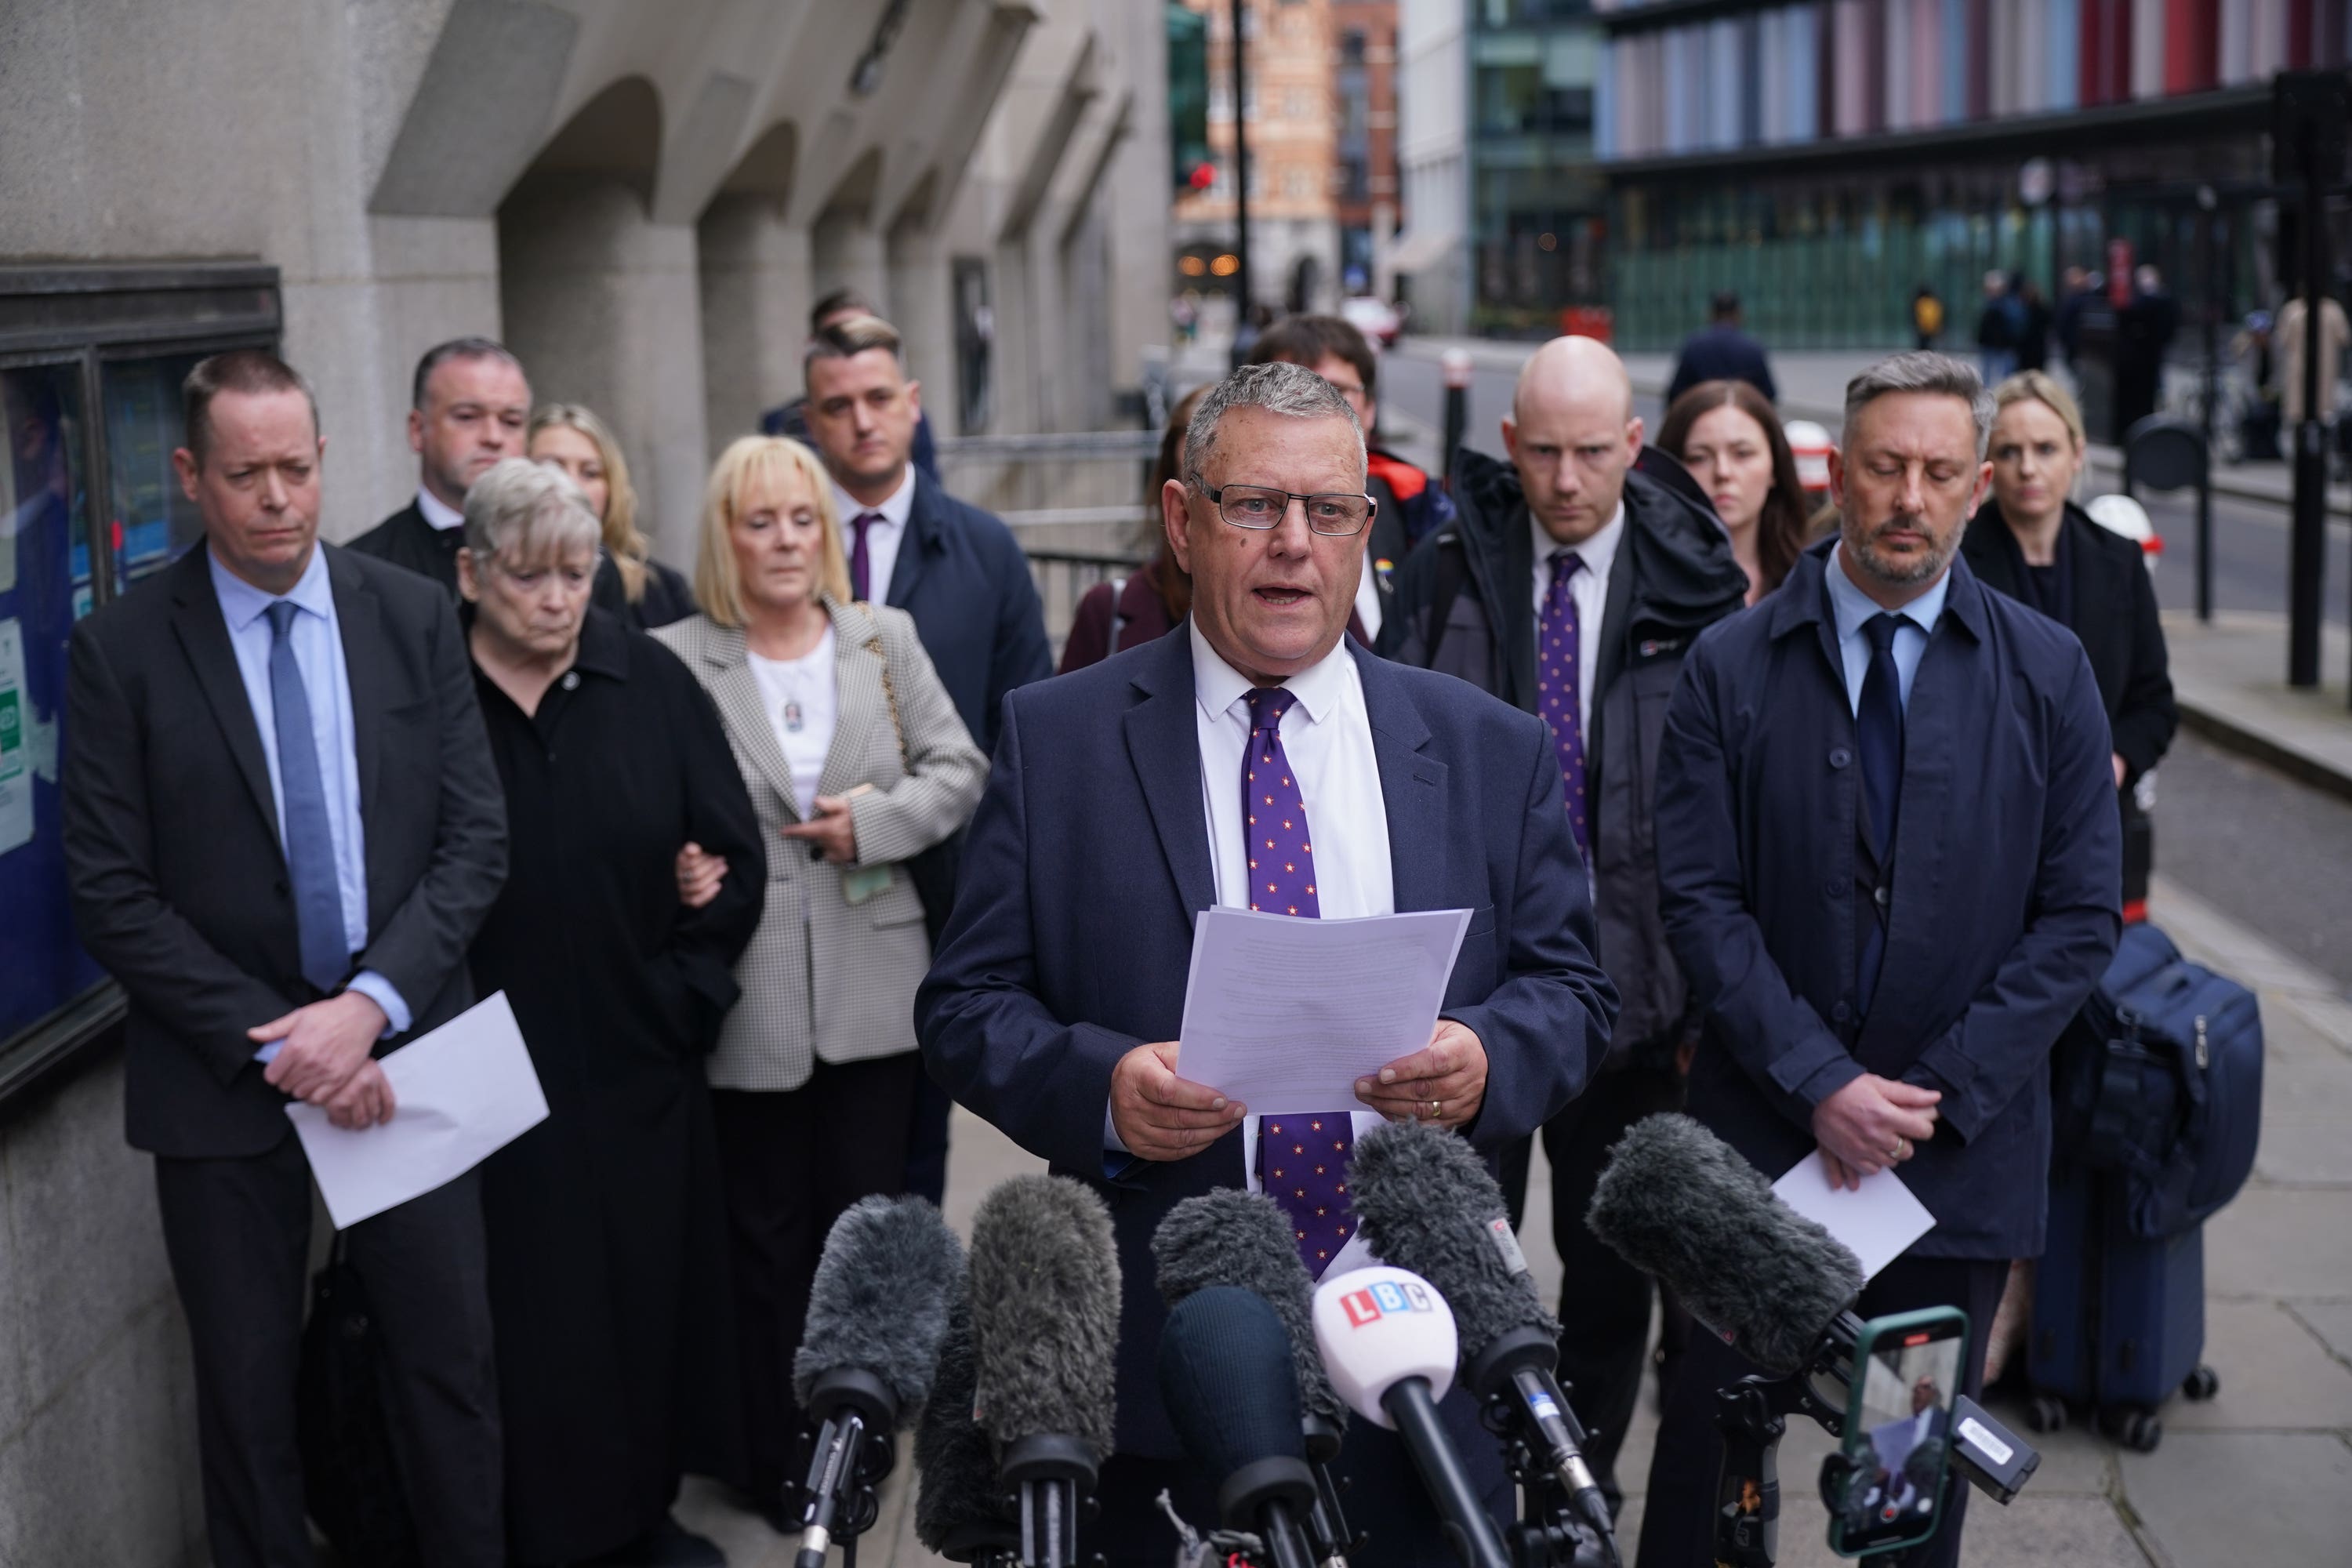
x=310, y=837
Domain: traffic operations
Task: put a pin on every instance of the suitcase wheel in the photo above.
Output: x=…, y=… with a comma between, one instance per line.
x=2138, y=1430
x=2046, y=1413
x=2201, y=1385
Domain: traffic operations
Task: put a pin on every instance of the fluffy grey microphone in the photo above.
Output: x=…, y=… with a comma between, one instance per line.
x=961, y=1505
x=878, y=1304
x=1044, y=1312
x=1679, y=1204
x=1428, y=1203
x=1235, y=1237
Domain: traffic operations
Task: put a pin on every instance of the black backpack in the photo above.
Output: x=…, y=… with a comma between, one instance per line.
x=351, y=1481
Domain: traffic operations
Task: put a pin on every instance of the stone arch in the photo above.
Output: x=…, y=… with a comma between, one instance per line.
x=756, y=285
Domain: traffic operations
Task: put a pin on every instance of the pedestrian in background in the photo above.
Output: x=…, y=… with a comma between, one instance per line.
x=1927, y=316
x=1731, y=441
x=1891, y=865
x=2143, y=332
x=1149, y=602
x=2289, y=335
x=630, y=582
x=791, y=419
x=952, y=567
x=468, y=407
x=855, y=762
x=1998, y=324
x=608, y=1237
x=2033, y=543
x=2078, y=290
x=284, y=827
x=1572, y=588
x=1722, y=352
x=1410, y=505
x=2034, y=322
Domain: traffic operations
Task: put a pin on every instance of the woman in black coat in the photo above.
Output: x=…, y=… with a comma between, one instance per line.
x=2033, y=543
x=606, y=1227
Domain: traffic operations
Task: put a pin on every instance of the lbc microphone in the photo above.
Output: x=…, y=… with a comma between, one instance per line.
x=1684, y=1207
x=1045, y=1335
x=959, y=1509
x=1226, y=1377
x=1387, y=1340
x=1233, y=1237
x=1428, y=1203
x=878, y=1311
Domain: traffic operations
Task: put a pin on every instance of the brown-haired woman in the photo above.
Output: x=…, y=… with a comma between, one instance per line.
x=1147, y=603
x=1729, y=439
x=630, y=582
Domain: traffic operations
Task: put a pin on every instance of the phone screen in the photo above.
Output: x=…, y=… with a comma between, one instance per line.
x=1898, y=1429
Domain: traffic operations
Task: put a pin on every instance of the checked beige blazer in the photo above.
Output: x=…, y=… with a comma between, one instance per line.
x=825, y=979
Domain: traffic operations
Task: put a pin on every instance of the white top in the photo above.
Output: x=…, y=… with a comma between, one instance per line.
x=1327, y=736
x=1590, y=589
x=444, y=518
x=883, y=538
x=1367, y=595
x=802, y=703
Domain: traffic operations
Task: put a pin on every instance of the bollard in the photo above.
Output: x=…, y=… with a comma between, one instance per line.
x=1458, y=369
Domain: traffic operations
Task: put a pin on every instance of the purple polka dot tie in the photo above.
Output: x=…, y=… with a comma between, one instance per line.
x=1556, y=699
x=1302, y=1159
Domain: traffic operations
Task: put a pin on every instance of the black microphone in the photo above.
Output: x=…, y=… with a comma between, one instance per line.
x=878, y=1311
x=1045, y=1334
x=1225, y=1375
x=1235, y=1237
x=1427, y=1203
x=1681, y=1205
x=959, y=1509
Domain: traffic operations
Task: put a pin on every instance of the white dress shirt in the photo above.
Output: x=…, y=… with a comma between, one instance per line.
x=1851, y=609
x=883, y=538
x=1328, y=737
x=444, y=518
x=1590, y=589
x=802, y=701
x=318, y=641
x=1368, y=595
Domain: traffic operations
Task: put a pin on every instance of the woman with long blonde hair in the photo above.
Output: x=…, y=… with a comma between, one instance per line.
x=630, y=582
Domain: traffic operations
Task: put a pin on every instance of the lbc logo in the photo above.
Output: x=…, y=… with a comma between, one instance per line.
x=1385, y=1299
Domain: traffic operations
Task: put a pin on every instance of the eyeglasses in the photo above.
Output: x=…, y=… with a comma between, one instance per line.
x=1258, y=509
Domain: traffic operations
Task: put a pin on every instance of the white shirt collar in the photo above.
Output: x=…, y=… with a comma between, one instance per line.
x=1599, y=552
x=1852, y=608
x=440, y=515
x=1217, y=684
x=896, y=507
x=242, y=604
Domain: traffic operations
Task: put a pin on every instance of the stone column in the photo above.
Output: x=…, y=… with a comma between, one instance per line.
x=923, y=310
x=849, y=254
x=758, y=282
x=603, y=308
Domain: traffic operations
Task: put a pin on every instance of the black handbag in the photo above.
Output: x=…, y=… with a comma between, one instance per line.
x=351, y=1481
x=933, y=871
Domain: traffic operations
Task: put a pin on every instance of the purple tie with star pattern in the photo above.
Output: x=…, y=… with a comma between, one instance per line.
x=1302, y=1159
x=1556, y=699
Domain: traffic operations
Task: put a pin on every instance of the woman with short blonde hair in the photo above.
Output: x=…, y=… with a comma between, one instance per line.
x=856, y=762
x=629, y=582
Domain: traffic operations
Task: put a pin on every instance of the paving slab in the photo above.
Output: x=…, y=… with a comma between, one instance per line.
x=2213, y=1499
x=2332, y=1321
x=2230, y=679
x=2288, y=1243
x=2275, y=1374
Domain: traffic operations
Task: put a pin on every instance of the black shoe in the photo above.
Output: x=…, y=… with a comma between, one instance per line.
x=669, y=1544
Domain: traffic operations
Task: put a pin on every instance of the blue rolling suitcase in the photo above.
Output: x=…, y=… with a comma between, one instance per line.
x=2158, y=1091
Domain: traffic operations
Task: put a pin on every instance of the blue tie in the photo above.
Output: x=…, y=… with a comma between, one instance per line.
x=1878, y=735
x=309, y=837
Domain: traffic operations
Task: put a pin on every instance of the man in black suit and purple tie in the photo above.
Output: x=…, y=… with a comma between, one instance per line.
x=1254, y=757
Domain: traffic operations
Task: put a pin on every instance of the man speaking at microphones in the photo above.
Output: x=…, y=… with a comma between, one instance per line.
x=1116, y=813
x=1888, y=858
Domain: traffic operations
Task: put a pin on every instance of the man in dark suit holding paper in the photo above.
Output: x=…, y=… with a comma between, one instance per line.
x=1129, y=797
x=284, y=825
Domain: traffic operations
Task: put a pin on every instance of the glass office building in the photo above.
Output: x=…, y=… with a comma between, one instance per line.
x=1825, y=160
x=1537, y=204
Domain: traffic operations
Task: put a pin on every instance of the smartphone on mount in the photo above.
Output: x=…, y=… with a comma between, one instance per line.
x=1886, y=1490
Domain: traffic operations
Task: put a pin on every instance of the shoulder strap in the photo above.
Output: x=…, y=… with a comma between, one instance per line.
x=881, y=649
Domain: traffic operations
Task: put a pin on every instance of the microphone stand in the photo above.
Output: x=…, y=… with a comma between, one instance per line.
x=1327, y=1522
x=1563, y=1520
x=1753, y=1414
x=848, y=1456
x=1052, y=1477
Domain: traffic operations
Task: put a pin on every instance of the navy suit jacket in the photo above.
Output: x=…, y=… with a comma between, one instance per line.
x=963, y=578
x=1088, y=860
x=2008, y=864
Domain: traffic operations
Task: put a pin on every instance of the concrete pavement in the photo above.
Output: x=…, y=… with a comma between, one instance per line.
x=2258, y=1475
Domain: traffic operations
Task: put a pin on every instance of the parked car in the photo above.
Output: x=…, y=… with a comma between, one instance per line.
x=1374, y=317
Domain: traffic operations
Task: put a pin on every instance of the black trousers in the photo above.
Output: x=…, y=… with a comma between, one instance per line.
x=1604, y=1301
x=1678, y=1522
x=790, y=1161
x=238, y=1235
x=926, y=1140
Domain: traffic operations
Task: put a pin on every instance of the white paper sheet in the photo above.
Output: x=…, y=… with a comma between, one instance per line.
x=463, y=1092
x=1876, y=1221
x=1286, y=1014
